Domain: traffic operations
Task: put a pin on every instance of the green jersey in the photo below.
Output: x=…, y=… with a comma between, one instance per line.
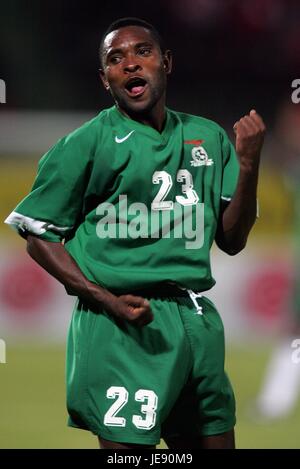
x=135, y=207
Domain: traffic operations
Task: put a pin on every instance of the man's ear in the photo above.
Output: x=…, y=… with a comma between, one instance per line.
x=167, y=61
x=103, y=79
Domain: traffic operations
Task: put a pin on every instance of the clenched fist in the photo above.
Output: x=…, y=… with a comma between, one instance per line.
x=249, y=131
x=133, y=309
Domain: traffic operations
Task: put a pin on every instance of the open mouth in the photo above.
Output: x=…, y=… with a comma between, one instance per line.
x=135, y=86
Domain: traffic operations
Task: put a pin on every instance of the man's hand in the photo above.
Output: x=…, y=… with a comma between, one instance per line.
x=249, y=131
x=134, y=309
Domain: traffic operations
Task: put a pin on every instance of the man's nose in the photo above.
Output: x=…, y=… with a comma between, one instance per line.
x=131, y=66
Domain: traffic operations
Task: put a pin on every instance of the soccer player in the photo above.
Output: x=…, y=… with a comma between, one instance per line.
x=123, y=213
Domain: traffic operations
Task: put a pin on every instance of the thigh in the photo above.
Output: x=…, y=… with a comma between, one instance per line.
x=105, y=444
x=123, y=380
x=223, y=441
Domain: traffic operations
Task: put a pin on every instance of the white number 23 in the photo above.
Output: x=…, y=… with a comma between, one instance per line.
x=183, y=176
x=121, y=395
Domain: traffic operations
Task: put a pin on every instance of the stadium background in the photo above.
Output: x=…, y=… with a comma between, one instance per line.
x=230, y=56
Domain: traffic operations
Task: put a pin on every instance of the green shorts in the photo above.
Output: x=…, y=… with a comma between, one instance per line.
x=137, y=385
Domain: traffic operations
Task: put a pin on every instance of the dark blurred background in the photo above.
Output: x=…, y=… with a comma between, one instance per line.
x=229, y=56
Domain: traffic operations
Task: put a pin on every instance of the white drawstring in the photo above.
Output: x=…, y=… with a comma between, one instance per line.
x=193, y=296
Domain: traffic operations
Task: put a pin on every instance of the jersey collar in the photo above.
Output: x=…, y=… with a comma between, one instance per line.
x=143, y=128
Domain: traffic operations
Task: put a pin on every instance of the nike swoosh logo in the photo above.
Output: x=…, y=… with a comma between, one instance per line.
x=121, y=140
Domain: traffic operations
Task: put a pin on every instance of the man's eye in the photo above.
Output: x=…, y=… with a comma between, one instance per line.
x=145, y=51
x=115, y=59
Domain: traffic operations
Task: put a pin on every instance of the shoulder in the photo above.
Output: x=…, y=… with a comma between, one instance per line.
x=79, y=145
x=88, y=133
x=197, y=122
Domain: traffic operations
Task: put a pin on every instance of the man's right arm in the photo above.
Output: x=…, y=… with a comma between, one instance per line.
x=55, y=259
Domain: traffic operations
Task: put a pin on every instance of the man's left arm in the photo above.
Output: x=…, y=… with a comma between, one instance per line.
x=238, y=217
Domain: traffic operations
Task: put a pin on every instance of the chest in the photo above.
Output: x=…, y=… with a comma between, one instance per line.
x=158, y=171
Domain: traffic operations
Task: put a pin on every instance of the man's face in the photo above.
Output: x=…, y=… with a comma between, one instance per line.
x=134, y=69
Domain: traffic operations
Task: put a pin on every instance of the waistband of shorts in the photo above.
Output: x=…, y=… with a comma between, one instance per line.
x=161, y=291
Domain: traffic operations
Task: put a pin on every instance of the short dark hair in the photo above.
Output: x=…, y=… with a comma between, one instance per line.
x=131, y=21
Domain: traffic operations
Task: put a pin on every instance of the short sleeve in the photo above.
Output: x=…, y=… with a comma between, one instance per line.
x=230, y=168
x=54, y=205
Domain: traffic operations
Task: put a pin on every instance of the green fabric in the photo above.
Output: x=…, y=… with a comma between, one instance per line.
x=179, y=358
x=88, y=167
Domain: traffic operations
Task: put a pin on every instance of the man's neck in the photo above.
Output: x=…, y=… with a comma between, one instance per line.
x=155, y=118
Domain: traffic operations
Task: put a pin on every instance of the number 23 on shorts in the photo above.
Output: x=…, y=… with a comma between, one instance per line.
x=146, y=396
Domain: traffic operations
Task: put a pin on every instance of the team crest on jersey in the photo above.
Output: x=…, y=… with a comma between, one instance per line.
x=200, y=157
